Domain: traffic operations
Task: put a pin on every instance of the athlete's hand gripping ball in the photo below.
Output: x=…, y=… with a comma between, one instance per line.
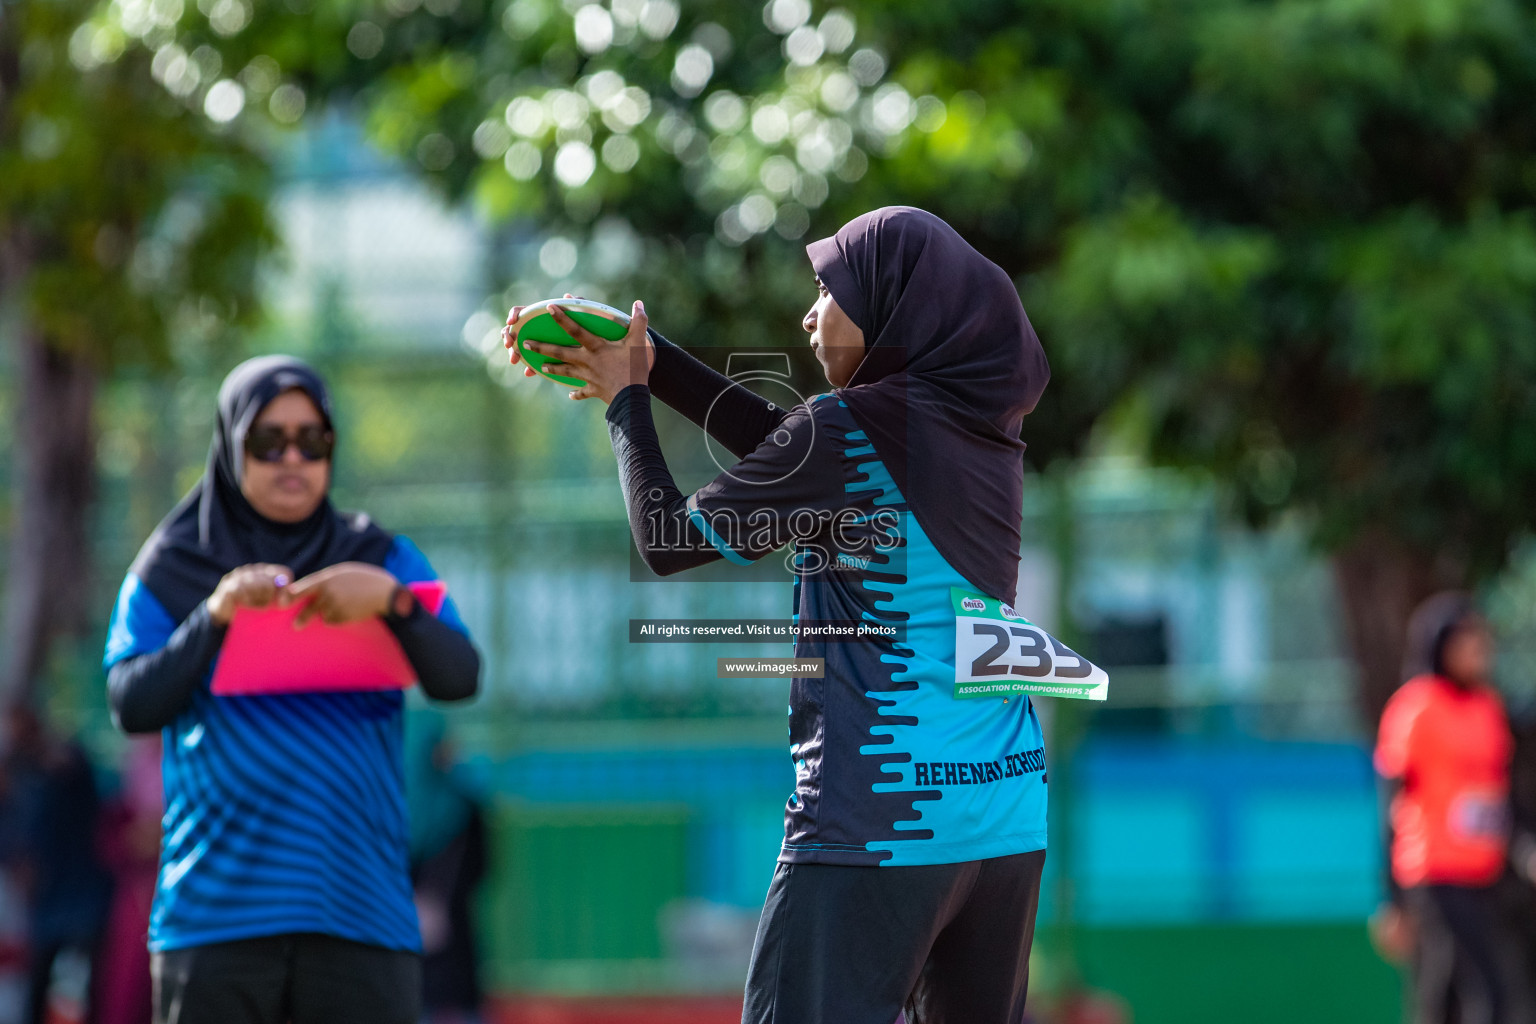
x=509, y=337
x=608, y=367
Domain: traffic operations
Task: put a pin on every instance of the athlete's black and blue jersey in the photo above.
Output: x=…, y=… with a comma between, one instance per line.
x=284, y=813
x=919, y=749
x=891, y=766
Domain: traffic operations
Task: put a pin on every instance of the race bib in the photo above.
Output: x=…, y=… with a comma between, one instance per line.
x=1479, y=816
x=999, y=652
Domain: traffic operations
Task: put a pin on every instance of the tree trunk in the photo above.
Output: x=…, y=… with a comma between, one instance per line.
x=48, y=582
x=53, y=470
x=1381, y=581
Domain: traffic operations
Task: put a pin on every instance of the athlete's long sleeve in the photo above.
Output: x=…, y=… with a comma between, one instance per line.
x=658, y=512
x=446, y=663
x=148, y=691
x=785, y=490
x=734, y=415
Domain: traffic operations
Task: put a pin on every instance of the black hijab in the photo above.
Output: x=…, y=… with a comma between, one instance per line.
x=1430, y=628
x=214, y=529
x=951, y=367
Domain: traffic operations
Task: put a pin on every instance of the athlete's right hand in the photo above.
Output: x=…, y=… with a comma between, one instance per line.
x=509, y=339
x=249, y=586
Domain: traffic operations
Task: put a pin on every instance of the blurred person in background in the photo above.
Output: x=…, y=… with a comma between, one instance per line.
x=1517, y=891
x=67, y=886
x=448, y=861
x=130, y=848
x=283, y=895
x=1444, y=748
x=13, y=903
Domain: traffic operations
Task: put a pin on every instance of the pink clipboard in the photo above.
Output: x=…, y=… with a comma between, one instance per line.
x=264, y=654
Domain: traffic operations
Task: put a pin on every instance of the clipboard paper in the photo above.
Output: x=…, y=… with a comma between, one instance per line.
x=264, y=654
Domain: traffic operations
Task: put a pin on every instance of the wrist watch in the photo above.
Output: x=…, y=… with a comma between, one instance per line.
x=401, y=602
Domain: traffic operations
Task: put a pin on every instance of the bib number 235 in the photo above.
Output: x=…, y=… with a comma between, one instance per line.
x=998, y=652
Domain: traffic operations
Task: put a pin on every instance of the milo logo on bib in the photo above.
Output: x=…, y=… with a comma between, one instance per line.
x=999, y=652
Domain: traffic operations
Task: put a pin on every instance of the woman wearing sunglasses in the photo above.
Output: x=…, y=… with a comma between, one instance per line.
x=283, y=893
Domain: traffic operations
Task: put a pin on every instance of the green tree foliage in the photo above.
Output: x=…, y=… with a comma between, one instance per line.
x=124, y=215
x=1291, y=243
x=128, y=208
x=1322, y=285
x=135, y=171
x=1287, y=242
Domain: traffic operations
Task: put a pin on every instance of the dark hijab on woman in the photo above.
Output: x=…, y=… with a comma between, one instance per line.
x=951, y=367
x=214, y=529
x=1430, y=628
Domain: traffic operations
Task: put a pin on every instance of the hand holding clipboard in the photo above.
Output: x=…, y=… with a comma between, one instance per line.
x=289, y=647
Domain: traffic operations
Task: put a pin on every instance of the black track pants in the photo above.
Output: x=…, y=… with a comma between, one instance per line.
x=302, y=979
x=854, y=945
x=1466, y=967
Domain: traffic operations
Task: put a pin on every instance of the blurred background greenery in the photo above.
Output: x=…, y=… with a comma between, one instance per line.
x=1281, y=254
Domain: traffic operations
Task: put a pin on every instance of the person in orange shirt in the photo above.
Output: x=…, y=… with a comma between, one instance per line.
x=1444, y=745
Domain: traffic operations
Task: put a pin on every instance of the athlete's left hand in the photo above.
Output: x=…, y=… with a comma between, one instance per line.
x=1393, y=933
x=608, y=367
x=344, y=592
x=509, y=337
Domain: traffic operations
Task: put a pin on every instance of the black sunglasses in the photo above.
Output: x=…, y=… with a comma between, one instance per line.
x=270, y=444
